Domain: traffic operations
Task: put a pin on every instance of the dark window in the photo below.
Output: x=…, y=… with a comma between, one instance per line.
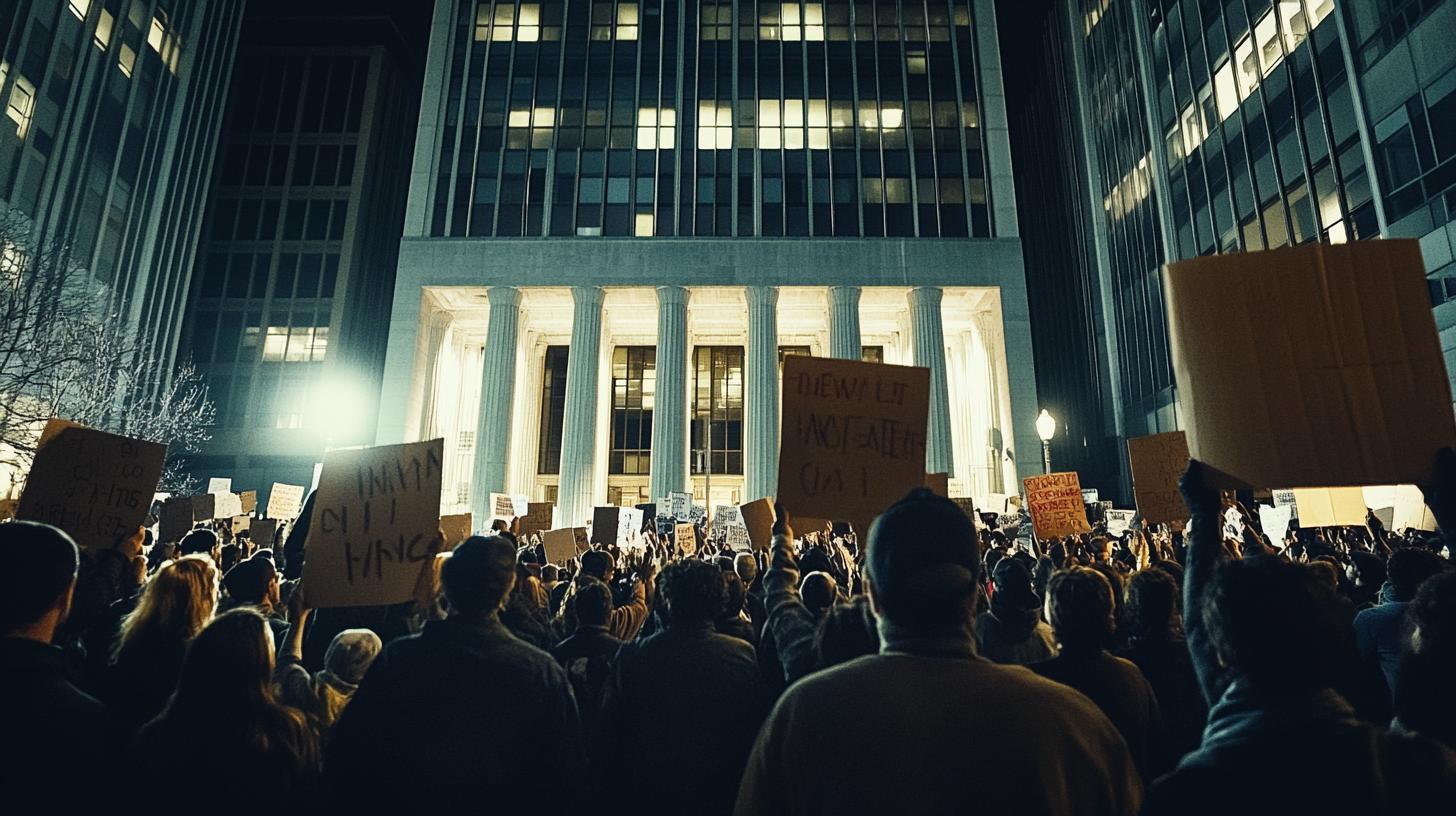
x=717, y=429
x=553, y=410
x=872, y=354
x=634, y=389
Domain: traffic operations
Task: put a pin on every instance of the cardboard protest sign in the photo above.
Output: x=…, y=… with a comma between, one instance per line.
x=220, y=485
x=502, y=506
x=203, y=506
x=375, y=518
x=993, y=503
x=249, y=501
x=759, y=517
x=1385, y=515
x=7, y=508
x=579, y=535
x=1310, y=366
x=737, y=538
x=698, y=514
x=1407, y=504
x=1233, y=523
x=938, y=483
x=239, y=524
x=664, y=525
x=1056, y=505
x=94, y=485
x=686, y=536
x=176, y=518
x=1275, y=521
x=1158, y=462
x=540, y=517
x=456, y=528
x=560, y=545
x=852, y=439
x=629, y=528
x=226, y=505
x=1330, y=506
x=1119, y=520
x=1089, y=495
x=262, y=531
x=618, y=526
x=679, y=504
x=727, y=515
x=285, y=501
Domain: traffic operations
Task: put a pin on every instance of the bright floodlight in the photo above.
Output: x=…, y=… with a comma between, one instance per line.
x=1046, y=426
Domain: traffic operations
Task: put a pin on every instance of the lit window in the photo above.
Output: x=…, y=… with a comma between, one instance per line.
x=1266, y=35
x=126, y=59
x=158, y=34
x=970, y=115
x=716, y=22
x=797, y=25
x=1193, y=133
x=1317, y=11
x=644, y=225
x=1226, y=90
x=1291, y=16
x=102, y=38
x=275, y=343
x=656, y=128
x=874, y=191
x=627, y=21
x=1247, y=66
x=528, y=23
x=915, y=62
x=80, y=8
x=523, y=25
x=301, y=344
x=715, y=126
x=22, y=105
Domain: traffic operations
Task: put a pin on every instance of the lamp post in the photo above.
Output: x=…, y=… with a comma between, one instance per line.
x=1046, y=428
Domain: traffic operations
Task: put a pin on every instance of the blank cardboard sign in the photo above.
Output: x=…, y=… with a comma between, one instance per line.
x=1158, y=461
x=1311, y=366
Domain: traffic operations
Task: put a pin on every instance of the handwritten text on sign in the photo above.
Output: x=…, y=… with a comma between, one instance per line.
x=376, y=514
x=94, y=485
x=1055, y=501
x=853, y=436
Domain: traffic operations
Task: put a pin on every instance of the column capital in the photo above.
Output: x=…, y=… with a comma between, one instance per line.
x=672, y=295
x=583, y=296
x=926, y=296
x=761, y=296
x=503, y=297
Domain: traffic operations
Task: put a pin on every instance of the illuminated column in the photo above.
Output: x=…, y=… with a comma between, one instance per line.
x=437, y=329
x=579, y=430
x=844, y=340
x=761, y=394
x=497, y=394
x=929, y=338
x=669, y=413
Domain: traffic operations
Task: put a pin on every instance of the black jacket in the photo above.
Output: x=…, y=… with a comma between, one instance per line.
x=587, y=658
x=682, y=706
x=455, y=719
x=1164, y=661
x=1119, y=689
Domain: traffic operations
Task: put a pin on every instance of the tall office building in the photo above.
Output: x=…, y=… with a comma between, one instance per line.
x=291, y=295
x=112, y=110
x=623, y=215
x=1204, y=126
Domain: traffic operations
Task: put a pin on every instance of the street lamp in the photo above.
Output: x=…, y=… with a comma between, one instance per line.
x=1046, y=428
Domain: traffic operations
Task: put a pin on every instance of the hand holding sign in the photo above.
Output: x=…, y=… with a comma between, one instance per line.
x=96, y=486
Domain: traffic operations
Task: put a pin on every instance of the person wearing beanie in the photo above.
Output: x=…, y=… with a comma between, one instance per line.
x=927, y=725
x=1013, y=630
x=322, y=696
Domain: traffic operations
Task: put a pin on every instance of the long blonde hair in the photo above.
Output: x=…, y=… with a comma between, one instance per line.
x=176, y=603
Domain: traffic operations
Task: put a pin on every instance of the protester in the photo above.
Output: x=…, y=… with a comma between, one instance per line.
x=147, y=658
x=733, y=620
x=1380, y=630
x=1423, y=699
x=1154, y=627
x=462, y=715
x=225, y=738
x=686, y=697
x=322, y=696
x=254, y=582
x=201, y=541
x=927, y=725
x=745, y=564
x=1079, y=606
x=1013, y=630
x=51, y=727
x=587, y=653
x=847, y=631
x=1268, y=641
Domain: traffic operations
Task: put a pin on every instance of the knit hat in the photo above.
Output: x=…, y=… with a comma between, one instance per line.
x=350, y=654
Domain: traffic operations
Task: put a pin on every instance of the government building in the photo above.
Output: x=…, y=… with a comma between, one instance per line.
x=622, y=216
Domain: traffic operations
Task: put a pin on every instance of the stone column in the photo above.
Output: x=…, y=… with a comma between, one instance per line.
x=579, y=430
x=437, y=329
x=497, y=397
x=761, y=395
x=844, y=339
x=929, y=337
x=670, y=411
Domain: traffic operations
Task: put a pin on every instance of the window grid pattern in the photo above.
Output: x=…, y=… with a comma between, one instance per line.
x=717, y=423
x=634, y=391
x=802, y=118
x=553, y=410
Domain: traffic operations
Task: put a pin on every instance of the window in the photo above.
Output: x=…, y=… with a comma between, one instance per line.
x=157, y=34
x=807, y=24
x=656, y=128
x=627, y=21
x=1247, y=67
x=1266, y=35
x=80, y=8
x=915, y=61
x=717, y=427
x=872, y=354
x=715, y=125
x=643, y=225
x=21, y=108
x=792, y=351
x=507, y=24
x=606, y=27
x=1226, y=90
x=126, y=59
x=102, y=37
x=300, y=344
x=634, y=388
x=716, y=22
x=553, y=410
x=1291, y=17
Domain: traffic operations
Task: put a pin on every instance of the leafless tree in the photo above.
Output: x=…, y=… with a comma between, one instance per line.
x=63, y=355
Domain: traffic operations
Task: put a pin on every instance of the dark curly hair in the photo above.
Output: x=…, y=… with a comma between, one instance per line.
x=693, y=590
x=1150, y=604
x=1080, y=602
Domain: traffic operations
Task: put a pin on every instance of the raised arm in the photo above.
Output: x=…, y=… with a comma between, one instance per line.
x=1203, y=556
x=790, y=621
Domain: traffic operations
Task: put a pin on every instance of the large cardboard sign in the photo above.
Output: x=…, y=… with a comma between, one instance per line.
x=560, y=545
x=96, y=486
x=1158, y=462
x=249, y=501
x=540, y=517
x=456, y=528
x=226, y=505
x=285, y=501
x=619, y=526
x=758, y=517
x=727, y=515
x=220, y=485
x=1407, y=506
x=852, y=440
x=1310, y=366
x=502, y=506
x=1119, y=520
x=679, y=504
x=686, y=537
x=1275, y=521
x=262, y=531
x=176, y=518
x=938, y=483
x=1055, y=501
x=1330, y=506
x=375, y=517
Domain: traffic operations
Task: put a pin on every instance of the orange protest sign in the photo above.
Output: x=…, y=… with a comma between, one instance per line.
x=1055, y=502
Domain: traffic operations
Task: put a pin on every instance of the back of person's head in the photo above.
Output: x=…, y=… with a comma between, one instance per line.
x=592, y=602
x=1276, y=622
x=597, y=563
x=819, y=591
x=1327, y=571
x=847, y=632
x=1011, y=581
x=1079, y=608
x=479, y=574
x=923, y=562
x=991, y=559
x=198, y=541
x=229, y=664
x=693, y=590
x=550, y=573
x=1408, y=568
x=350, y=654
x=747, y=568
x=733, y=594
x=1431, y=618
x=175, y=604
x=40, y=570
x=500, y=526
x=1151, y=604
x=231, y=555
x=249, y=581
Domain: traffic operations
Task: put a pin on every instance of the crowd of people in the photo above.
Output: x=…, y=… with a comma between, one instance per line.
x=930, y=665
